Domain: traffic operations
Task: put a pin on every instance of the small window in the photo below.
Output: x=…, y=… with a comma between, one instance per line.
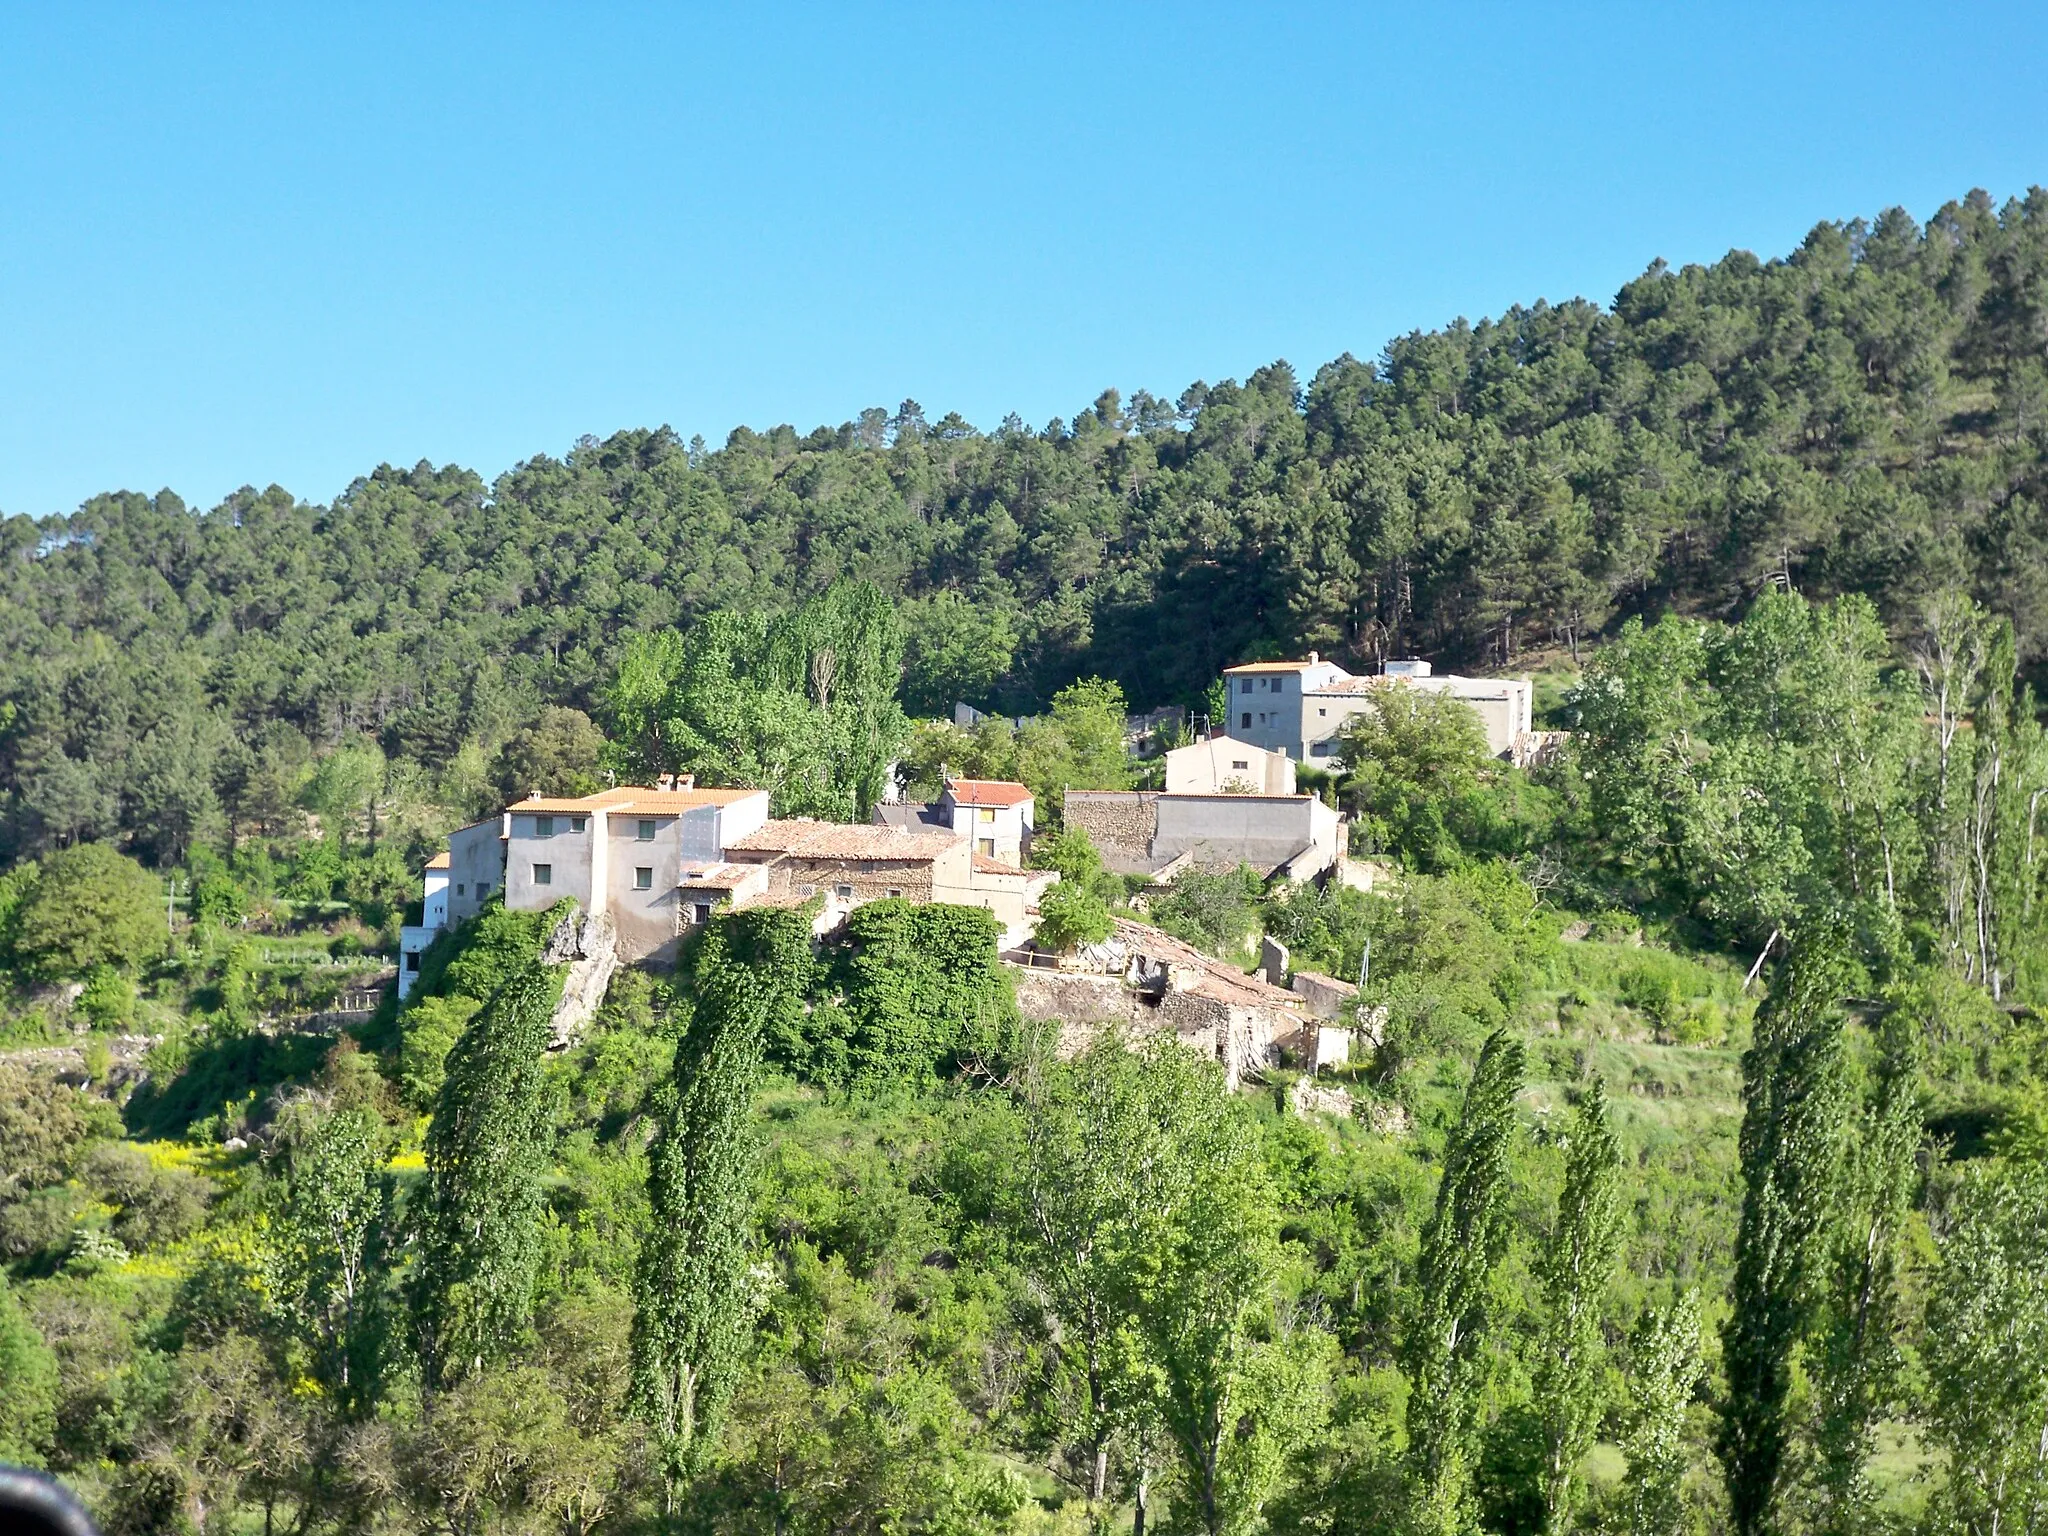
x=643, y=878
x=644, y=831
x=893, y=891
x=987, y=845
x=703, y=912
x=576, y=823
x=1322, y=748
x=985, y=815
x=543, y=826
x=412, y=959
x=1247, y=688
x=1322, y=711
x=807, y=890
x=462, y=890
x=1244, y=721
x=1239, y=762
x=543, y=874
x=843, y=892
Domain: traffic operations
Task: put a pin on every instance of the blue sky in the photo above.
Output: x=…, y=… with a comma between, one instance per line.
x=285, y=244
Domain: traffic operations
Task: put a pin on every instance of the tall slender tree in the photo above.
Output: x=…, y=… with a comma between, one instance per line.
x=1855, y=1358
x=1575, y=1269
x=1461, y=1246
x=1664, y=1370
x=1795, y=1112
x=1987, y=1350
x=693, y=1299
x=487, y=1157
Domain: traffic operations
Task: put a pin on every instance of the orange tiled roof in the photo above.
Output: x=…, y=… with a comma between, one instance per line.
x=984, y=865
x=994, y=792
x=1270, y=666
x=439, y=861
x=656, y=802
x=839, y=840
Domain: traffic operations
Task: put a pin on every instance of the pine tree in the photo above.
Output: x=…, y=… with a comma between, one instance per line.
x=487, y=1159
x=1574, y=1272
x=1795, y=1112
x=1463, y=1242
x=694, y=1305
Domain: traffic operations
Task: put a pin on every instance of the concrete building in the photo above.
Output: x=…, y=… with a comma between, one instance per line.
x=996, y=816
x=656, y=862
x=415, y=939
x=652, y=859
x=1140, y=831
x=1300, y=707
x=1223, y=765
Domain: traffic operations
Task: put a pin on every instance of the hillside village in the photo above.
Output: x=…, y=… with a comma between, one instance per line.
x=644, y=866
x=1455, y=945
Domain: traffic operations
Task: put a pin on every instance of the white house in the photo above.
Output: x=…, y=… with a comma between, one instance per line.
x=996, y=816
x=1300, y=707
x=1223, y=765
x=413, y=940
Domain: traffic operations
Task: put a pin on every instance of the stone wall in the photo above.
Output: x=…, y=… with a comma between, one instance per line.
x=1120, y=822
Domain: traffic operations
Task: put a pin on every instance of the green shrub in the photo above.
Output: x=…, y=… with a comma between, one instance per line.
x=1069, y=916
x=108, y=1001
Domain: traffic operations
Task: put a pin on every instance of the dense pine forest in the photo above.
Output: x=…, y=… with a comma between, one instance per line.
x=1864, y=415
x=1689, y=1173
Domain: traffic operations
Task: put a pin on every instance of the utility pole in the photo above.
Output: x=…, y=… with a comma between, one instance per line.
x=1365, y=964
x=171, y=907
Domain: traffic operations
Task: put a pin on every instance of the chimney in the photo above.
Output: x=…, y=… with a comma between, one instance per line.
x=1313, y=658
x=686, y=781
x=665, y=782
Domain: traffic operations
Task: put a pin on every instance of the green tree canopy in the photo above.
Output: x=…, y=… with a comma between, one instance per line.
x=90, y=906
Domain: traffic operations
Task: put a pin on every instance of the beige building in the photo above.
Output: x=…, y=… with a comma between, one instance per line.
x=1300, y=707
x=996, y=816
x=651, y=858
x=1223, y=765
x=846, y=866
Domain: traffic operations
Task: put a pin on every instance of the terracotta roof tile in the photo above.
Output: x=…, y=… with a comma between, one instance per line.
x=984, y=865
x=439, y=860
x=993, y=792
x=839, y=840
x=622, y=797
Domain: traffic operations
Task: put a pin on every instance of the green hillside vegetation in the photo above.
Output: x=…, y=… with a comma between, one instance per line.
x=1862, y=415
x=1693, y=1173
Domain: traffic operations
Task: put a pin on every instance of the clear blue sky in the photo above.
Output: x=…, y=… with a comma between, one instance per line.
x=287, y=243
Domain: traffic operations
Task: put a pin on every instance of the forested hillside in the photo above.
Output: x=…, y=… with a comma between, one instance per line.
x=1866, y=414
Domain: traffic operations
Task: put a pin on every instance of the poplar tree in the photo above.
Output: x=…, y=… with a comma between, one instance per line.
x=1987, y=1350
x=694, y=1305
x=1461, y=1246
x=487, y=1159
x=1855, y=1358
x=1795, y=1111
x=1664, y=1368
x=1574, y=1272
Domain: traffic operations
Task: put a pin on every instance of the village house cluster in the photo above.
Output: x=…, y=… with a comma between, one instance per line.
x=651, y=863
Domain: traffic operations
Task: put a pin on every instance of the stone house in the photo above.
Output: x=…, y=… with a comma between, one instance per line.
x=1145, y=981
x=849, y=865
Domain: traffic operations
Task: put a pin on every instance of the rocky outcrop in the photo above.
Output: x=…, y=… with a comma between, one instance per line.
x=589, y=947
